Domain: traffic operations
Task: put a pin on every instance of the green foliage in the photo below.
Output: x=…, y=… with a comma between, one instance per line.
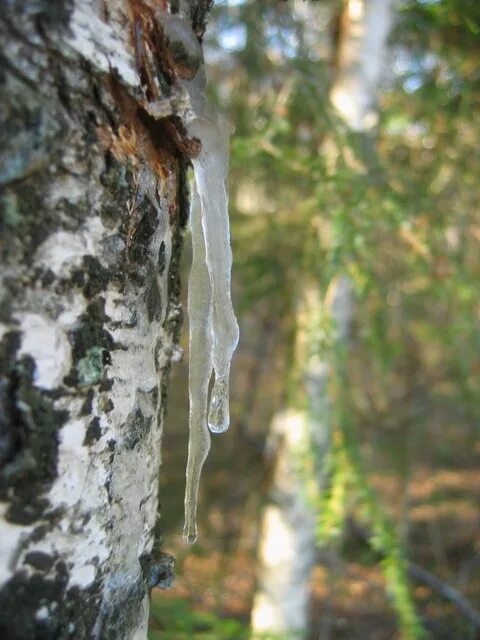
x=278, y=636
x=174, y=619
x=396, y=211
x=348, y=490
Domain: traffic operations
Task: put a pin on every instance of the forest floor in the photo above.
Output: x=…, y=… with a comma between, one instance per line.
x=348, y=595
x=215, y=583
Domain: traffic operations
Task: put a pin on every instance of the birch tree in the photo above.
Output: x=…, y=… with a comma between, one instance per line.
x=288, y=539
x=94, y=202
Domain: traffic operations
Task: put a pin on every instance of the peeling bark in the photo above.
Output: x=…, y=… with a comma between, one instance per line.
x=94, y=202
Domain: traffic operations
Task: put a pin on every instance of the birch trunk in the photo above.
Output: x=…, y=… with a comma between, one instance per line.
x=94, y=202
x=287, y=546
x=287, y=549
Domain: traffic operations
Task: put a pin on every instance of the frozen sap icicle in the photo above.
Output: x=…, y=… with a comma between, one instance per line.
x=210, y=175
x=200, y=369
x=213, y=326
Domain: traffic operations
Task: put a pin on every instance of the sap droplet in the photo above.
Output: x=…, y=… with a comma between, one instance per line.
x=219, y=413
x=190, y=534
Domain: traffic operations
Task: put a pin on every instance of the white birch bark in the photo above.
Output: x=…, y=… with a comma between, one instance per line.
x=287, y=548
x=365, y=28
x=94, y=202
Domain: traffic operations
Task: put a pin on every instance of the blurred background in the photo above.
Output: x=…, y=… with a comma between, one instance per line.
x=343, y=501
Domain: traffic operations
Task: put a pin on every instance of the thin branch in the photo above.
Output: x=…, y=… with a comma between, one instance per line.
x=450, y=593
x=423, y=575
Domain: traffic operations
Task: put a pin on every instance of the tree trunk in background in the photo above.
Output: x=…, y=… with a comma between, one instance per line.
x=94, y=202
x=287, y=549
x=288, y=539
x=360, y=58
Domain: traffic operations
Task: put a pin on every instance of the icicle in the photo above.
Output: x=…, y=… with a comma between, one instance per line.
x=211, y=175
x=200, y=371
x=213, y=326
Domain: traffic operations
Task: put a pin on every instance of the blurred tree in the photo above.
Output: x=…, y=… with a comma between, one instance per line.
x=394, y=211
x=288, y=543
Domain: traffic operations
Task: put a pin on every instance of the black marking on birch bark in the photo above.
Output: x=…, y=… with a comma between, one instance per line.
x=91, y=346
x=94, y=432
x=39, y=560
x=161, y=258
x=140, y=236
x=138, y=424
x=9, y=437
x=87, y=406
x=97, y=276
x=30, y=430
x=44, y=608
